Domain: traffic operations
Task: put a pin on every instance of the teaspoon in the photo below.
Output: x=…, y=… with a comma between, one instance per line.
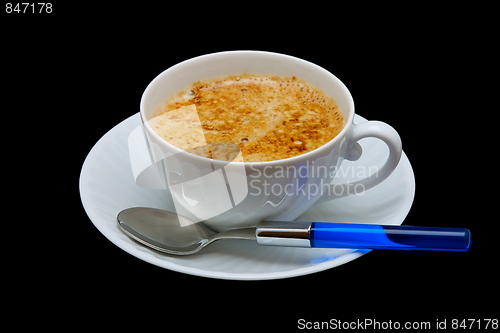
x=174, y=234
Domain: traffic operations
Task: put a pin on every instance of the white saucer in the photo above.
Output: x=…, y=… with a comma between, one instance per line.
x=107, y=187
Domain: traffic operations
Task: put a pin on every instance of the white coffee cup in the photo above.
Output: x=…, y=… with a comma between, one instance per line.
x=237, y=194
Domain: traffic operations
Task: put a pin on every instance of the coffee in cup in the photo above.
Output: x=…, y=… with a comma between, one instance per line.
x=267, y=117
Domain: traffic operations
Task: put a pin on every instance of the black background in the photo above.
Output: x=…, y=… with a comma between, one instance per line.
x=73, y=76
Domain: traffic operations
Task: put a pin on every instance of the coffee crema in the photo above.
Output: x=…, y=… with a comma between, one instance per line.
x=268, y=117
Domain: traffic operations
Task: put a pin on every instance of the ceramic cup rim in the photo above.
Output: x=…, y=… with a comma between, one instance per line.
x=329, y=146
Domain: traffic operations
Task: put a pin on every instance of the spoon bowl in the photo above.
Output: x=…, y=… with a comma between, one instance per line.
x=156, y=228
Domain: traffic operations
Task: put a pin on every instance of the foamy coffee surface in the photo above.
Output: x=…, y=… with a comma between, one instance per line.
x=268, y=118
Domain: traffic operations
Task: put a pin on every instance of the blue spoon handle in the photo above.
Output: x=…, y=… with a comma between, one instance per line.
x=388, y=237
x=362, y=236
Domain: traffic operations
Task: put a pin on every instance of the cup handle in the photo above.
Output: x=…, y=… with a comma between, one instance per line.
x=366, y=129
